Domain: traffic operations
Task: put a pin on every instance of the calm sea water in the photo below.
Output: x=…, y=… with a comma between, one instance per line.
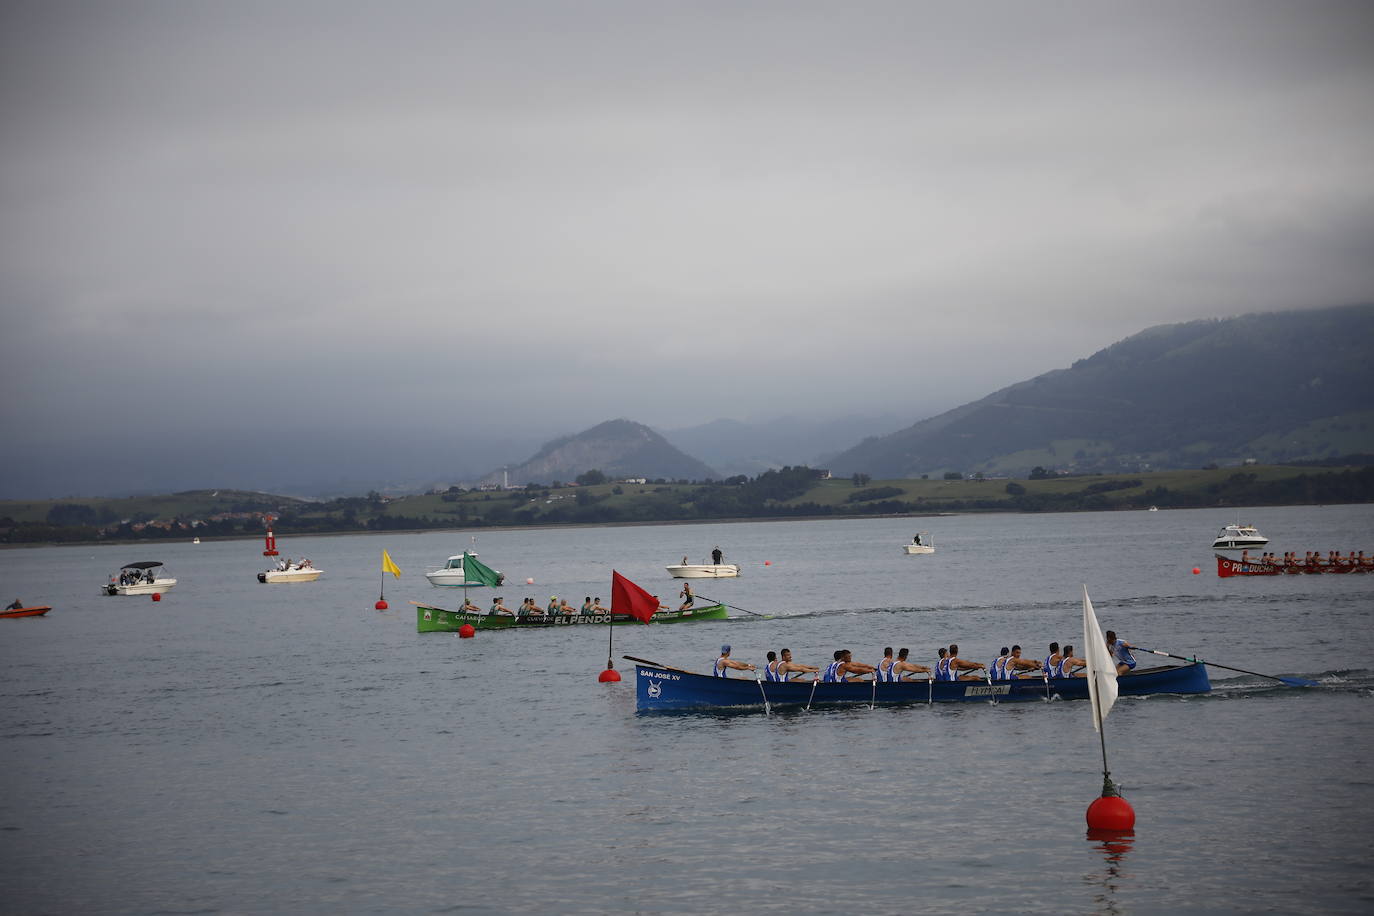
x=240, y=747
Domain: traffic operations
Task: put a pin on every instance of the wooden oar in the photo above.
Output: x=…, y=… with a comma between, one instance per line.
x=645, y=661
x=731, y=606
x=1290, y=681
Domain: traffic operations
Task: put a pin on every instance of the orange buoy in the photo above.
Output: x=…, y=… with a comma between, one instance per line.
x=381, y=604
x=467, y=631
x=1111, y=812
x=767, y=562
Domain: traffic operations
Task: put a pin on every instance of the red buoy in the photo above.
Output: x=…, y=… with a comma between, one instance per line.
x=381, y=604
x=1111, y=812
x=157, y=596
x=270, y=548
x=467, y=631
x=609, y=675
x=1196, y=570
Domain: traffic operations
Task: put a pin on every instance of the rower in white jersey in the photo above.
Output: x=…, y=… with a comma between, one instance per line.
x=725, y=662
x=1070, y=666
x=902, y=667
x=787, y=667
x=1018, y=667
x=843, y=666
x=998, y=669
x=958, y=665
x=885, y=667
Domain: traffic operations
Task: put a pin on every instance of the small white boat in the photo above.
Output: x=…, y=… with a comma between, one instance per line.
x=1239, y=537
x=304, y=571
x=703, y=571
x=195, y=540
x=141, y=578
x=1153, y=509
x=922, y=543
x=451, y=574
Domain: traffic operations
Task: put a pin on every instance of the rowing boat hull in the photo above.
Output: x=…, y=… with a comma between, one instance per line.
x=660, y=690
x=27, y=611
x=439, y=620
x=1226, y=568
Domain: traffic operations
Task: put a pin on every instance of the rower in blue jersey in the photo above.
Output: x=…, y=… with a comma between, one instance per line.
x=787, y=667
x=841, y=669
x=998, y=670
x=1018, y=667
x=725, y=662
x=770, y=667
x=1121, y=652
x=959, y=665
x=1052, y=661
x=1069, y=666
x=942, y=666
x=884, y=670
x=902, y=667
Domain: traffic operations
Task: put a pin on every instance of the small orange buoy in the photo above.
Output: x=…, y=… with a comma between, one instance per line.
x=767, y=562
x=381, y=604
x=157, y=596
x=608, y=676
x=530, y=580
x=1196, y=571
x=1111, y=812
x=467, y=631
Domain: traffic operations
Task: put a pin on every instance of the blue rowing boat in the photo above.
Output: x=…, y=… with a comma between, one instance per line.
x=667, y=689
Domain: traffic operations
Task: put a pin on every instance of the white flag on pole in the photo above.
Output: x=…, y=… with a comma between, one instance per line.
x=1101, y=665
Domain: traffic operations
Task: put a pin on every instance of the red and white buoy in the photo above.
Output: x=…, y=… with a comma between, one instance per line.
x=270, y=549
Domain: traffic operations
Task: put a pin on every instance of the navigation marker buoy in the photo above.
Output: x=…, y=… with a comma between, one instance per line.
x=157, y=596
x=270, y=548
x=609, y=675
x=381, y=604
x=1196, y=571
x=1111, y=812
x=467, y=631
x=530, y=580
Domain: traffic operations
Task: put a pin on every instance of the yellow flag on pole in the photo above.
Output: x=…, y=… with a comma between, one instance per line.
x=390, y=567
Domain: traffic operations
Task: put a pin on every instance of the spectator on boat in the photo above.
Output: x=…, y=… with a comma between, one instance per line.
x=786, y=666
x=725, y=662
x=1069, y=666
x=1017, y=667
x=716, y=556
x=884, y=670
x=17, y=606
x=498, y=608
x=957, y=664
x=1052, y=661
x=942, y=666
x=686, y=594
x=1121, y=651
x=902, y=666
x=841, y=669
x=587, y=605
x=916, y=540
x=997, y=670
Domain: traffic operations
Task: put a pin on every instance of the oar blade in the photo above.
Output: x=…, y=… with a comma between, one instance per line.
x=1299, y=682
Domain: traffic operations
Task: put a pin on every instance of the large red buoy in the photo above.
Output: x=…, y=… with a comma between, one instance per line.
x=157, y=596
x=609, y=675
x=1111, y=812
x=467, y=631
x=381, y=604
x=1196, y=571
x=270, y=548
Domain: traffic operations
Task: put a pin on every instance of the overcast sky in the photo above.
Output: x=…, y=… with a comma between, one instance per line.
x=537, y=216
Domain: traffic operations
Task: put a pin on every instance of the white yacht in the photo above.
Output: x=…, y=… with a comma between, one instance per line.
x=1239, y=537
x=142, y=578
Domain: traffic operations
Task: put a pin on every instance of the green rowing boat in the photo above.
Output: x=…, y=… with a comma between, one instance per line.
x=430, y=619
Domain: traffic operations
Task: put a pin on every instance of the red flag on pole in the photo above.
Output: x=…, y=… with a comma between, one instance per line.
x=628, y=598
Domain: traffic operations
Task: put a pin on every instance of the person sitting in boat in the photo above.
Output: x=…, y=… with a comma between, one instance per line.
x=902, y=667
x=1017, y=667
x=498, y=608
x=787, y=667
x=17, y=606
x=469, y=608
x=841, y=669
x=916, y=540
x=1052, y=661
x=529, y=607
x=688, y=598
x=1121, y=651
x=586, y=605
x=883, y=671
x=597, y=608
x=1069, y=666
x=725, y=662
x=998, y=669
x=957, y=664
x=942, y=672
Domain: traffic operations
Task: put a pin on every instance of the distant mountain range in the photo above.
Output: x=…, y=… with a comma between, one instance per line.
x=1273, y=387
x=735, y=447
x=617, y=448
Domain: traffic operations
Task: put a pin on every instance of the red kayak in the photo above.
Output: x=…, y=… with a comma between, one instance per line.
x=26, y=612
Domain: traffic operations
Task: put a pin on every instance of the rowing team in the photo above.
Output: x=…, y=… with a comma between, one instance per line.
x=529, y=608
x=1008, y=666
x=1312, y=558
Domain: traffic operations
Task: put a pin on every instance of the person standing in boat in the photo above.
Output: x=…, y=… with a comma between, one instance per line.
x=916, y=540
x=725, y=662
x=716, y=555
x=786, y=666
x=902, y=666
x=686, y=594
x=1052, y=660
x=957, y=664
x=1121, y=652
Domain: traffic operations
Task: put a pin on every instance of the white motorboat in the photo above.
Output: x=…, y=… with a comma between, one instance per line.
x=451, y=574
x=922, y=543
x=1239, y=537
x=142, y=578
x=703, y=571
x=303, y=571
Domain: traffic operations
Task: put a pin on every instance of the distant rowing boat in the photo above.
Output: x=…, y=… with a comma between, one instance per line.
x=430, y=619
x=1227, y=567
x=660, y=689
